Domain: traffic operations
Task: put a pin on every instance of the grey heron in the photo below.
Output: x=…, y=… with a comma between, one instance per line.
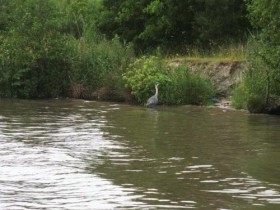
x=153, y=100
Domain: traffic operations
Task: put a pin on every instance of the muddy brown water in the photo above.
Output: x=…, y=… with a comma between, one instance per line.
x=74, y=154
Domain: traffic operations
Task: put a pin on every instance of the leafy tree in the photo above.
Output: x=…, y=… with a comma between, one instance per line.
x=52, y=48
x=168, y=24
x=79, y=15
x=33, y=53
x=262, y=81
x=98, y=63
x=218, y=21
x=5, y=11
x=173, y=24
x=123, y=18
x=265, y=16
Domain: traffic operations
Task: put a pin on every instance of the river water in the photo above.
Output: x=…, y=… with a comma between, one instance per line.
x=74, y=154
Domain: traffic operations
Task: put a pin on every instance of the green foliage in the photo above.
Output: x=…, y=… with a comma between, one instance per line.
x=174, y=24
x=79, y=15
x=265, y=15
x=176, y=85
x=51, y=48
x=142, y=76
x=198, y=89
x=263, y=76
x=239, y=97
x=256, y=103
x=98, y=62
x=5, y=11
x=186, y=87
x=33, y=52
x=255, y=86
x=216, y=22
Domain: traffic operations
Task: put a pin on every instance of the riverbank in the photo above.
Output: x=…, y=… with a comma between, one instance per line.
x=225, y=74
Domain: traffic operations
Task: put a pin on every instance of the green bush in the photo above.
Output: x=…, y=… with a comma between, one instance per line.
x=256, y=104
x=174, y=24
x=177, y=85
x=99, y=63
x=186, y=87
x=34, y=54
x=52, y=48
x=198, y=89
x=259, y=87
x=239, y=97
x=262, y=78
x=143, y=74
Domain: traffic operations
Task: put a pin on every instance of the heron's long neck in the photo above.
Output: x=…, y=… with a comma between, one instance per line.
x=156, y=90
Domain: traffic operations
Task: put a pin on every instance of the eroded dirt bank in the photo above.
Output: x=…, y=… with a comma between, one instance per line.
x=225, y=75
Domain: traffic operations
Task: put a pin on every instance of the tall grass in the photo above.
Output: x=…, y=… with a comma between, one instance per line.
x=98, y=63
x=240, y=96
x=259, y=90
x=221, y=53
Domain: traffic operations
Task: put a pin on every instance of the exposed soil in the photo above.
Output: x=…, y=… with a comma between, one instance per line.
x=225, y=75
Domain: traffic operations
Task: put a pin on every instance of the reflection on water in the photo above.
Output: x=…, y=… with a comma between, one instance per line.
x=71, y=154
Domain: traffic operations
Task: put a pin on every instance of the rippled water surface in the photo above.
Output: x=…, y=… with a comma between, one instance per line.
x=74, y=154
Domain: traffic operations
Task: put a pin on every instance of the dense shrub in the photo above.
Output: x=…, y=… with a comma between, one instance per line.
x=176, y=85
x=174, y=24
x=259, y=90
x=34, y=54
x=99, y=63
x=143, y=74
x=198, y=89
x=262, y=80
x=44, y=53
x=239, y=97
